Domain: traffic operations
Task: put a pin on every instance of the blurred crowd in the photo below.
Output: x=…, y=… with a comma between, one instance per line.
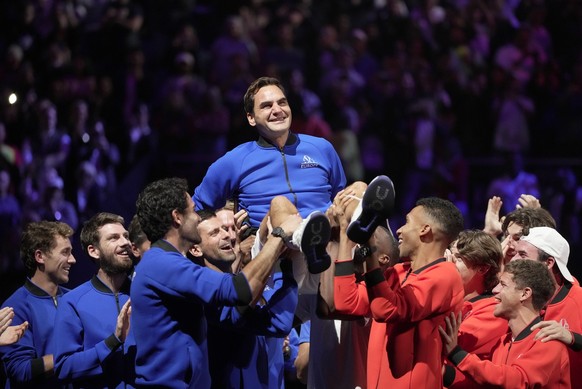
x=98, y=97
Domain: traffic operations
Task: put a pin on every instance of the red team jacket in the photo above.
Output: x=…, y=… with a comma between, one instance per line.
x=518, y=363
x=566, y=308
x=478, y=334
x=413, y=310
x=351, y=298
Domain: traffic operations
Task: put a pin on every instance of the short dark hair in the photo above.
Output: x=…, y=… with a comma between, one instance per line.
x=155, y=205
x=446, y=214
x=90, y=231
x=535, y=275
x=206, y=214
x=528, y=218
x=136, y=234
x=40, y=236
x=477, y=248
x=249, y=98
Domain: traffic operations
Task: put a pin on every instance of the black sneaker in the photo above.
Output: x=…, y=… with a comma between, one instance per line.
x=312, y=238
x=376, y=205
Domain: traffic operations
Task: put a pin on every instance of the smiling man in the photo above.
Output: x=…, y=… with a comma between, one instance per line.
x=518, y=359
x=238, y=337
x=215, y=249
x=563, y=312
x=303, y=168
x=92, y=346
x=46, y=251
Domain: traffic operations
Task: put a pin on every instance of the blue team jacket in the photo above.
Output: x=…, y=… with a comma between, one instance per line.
x=168, y=295
x=307, y=171
x=239, y=339
x=23, y=360
x=87, y=353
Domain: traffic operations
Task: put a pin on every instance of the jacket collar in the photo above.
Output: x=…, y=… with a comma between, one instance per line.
x=166, y=246
x=418, y=271
x=527, y=330
x=36, y=290
x=263, y=142
x=101, y=287
x=562, y=293
x=481, y=297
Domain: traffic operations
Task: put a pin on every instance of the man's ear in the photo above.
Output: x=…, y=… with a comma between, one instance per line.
x=251, y=119
x=196, y=251
x=39, y=257
x=135, y=250
x=551, y=263
x=93, y=252
x=176, y=218
x=526, y=293
x=425, y=230
x=384, y=259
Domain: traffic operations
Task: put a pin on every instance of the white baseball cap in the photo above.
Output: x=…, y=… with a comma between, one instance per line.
x=552, y=243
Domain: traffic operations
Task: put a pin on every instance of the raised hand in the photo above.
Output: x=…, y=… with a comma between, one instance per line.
x=528, y=201
x=451, y=334
x=492, y=220
x=122, y=327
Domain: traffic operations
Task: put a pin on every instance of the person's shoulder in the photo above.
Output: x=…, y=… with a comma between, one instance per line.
x=574, y=295
x=243, y=147
x=156, y=255
x=158, y=260
x=312, y=139
x=77, y=292
x=234, y=155
x=16, y=298
x=483, y=306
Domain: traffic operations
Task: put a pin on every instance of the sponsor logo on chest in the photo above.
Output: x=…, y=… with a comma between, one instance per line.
x=308, y=162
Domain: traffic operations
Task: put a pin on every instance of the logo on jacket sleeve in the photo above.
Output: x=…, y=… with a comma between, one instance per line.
x=308, y=162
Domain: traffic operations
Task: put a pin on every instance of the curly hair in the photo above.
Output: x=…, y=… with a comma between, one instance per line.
x=249, y=98
x=40, y=236
x=535, y=275
x=528, y=218
x=477, y=248
x=90, y=231
x=156, y=202
x=445, y=214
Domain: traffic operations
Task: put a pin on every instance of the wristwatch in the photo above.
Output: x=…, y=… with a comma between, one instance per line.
x=361, y=253
x=280, y=233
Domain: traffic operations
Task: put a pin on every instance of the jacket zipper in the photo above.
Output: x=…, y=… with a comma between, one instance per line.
x=287, y=177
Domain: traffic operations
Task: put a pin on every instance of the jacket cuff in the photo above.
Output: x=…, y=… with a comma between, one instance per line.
x=449, y=375
x=37, y=367
x=374, y=277
x=112, y=342
x=344, y=268
x=243, y=290
x=577, y=344
x=457, y=355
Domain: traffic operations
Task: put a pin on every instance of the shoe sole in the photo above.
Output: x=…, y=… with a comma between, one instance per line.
x=314, y=241
x=377, y=205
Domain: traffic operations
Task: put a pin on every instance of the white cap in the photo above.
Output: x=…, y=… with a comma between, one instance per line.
x=552, y=243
